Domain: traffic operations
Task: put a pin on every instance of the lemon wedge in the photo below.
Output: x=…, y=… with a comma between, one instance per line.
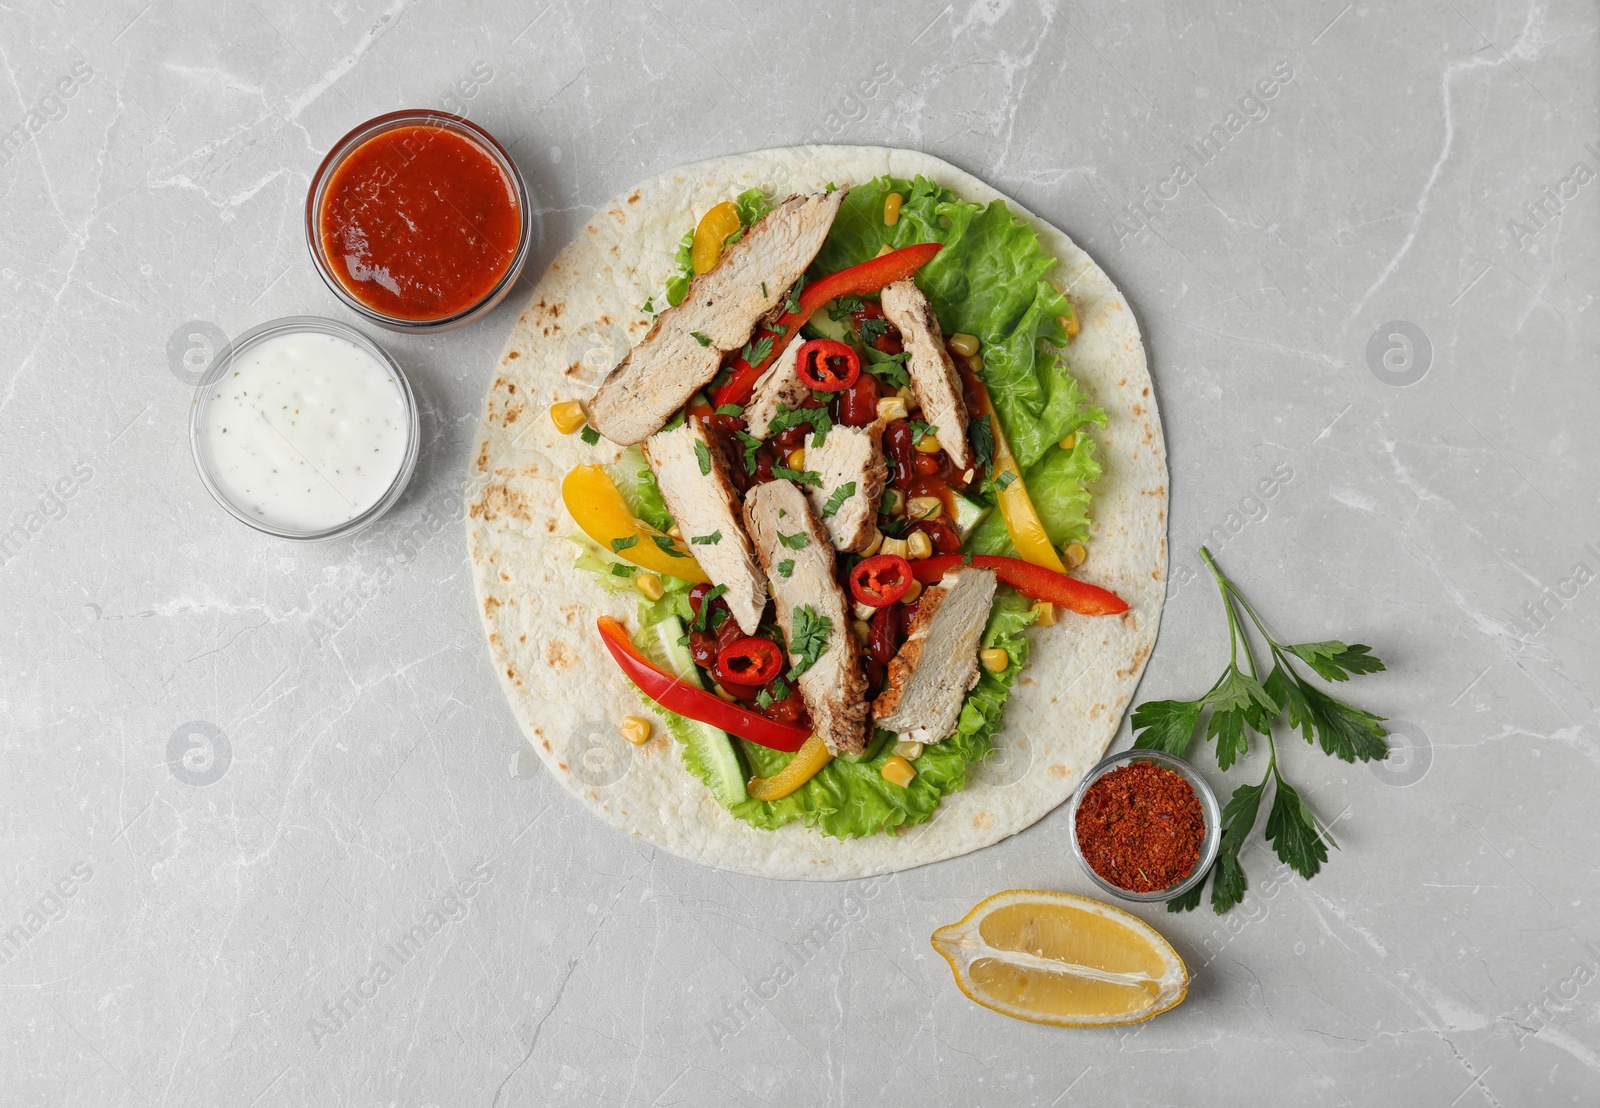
x=1061, y=959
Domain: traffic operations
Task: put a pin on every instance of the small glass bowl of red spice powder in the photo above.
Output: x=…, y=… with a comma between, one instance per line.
x=1145, y=825
x=419, y=221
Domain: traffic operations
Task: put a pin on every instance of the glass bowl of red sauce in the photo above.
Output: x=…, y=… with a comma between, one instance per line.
x=419, y=221
x=1136, y=821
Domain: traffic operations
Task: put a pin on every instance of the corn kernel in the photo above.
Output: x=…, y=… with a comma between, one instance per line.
x=635, y=729
x=1070, y=441
x=908, y=750
x=976, y=362
x=908, y=394
x=863, y=611
x=884, y=249
x=797, y=458
x=924, y=507
x=649, y=586
x=862, y=630
x=674, y=531
x=911, y=593
x=898, y=771
x=1070, y=321
x=891, y=407
x=1044, y=613
x=894, y=503
x=874, y=546
x=964, y=344
x=1075, y=554
x=568, y=416
x=891, y=208
x=994, y=659
x=894, y=546
x=919, y=546
x=929, y=444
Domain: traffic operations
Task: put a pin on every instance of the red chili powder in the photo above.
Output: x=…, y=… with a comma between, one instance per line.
x=1140, y=827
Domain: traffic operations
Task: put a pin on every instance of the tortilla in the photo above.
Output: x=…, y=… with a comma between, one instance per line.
x=540, y=611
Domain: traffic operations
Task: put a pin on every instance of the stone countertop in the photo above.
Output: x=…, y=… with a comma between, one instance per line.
x=1371, y=293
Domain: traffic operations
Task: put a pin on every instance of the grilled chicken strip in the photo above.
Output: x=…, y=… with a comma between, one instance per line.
x=788, y=537
x=849, y=457
x=930, y=676
x=933, y=375
x=693, y=475
x=779, y=386
x=722, y=308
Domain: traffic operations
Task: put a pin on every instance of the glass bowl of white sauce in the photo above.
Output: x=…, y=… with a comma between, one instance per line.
x=304, y=428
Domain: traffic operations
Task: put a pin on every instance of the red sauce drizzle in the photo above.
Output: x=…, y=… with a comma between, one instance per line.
x=419, y=223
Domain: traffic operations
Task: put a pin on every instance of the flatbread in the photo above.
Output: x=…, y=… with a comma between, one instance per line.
x=540, y=611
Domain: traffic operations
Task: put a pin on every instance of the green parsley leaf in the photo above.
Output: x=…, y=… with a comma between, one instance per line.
x=667, y=546
x=1334, y=661
x=699, y=621
x=792, y=303
x=622, y=569
x=649, y=305
x=808, y=639
x=786, y=567
x=776, y=691
x=756, y=353
x=1293, y=832
x=730, y=409
x=702, y=454
x=1004, y=480
x=921, y=430
x=843, y=307
x=1237, y=702
x=708, y=540
x=799, y=476
x=888, y=368
x=1167, y=725
x=701, y=339
x=589, y=435
x=619, y=545
x=980, y=432
x=763, y=290
x=836, y=501
x=873, y=329
x=751, y=444
x=796, y=541
x=1238, y=819
x=1189, y=901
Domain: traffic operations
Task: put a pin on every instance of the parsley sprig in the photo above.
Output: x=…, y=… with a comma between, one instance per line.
x=808, y=639
x=1240, y=704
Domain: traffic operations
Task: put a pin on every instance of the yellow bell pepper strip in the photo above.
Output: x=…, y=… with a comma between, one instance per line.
x=715, y=226
x=801, y=768
x=1022, y=521
x=598, y=508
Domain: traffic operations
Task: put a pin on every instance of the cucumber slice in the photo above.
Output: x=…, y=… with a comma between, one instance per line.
x=826, y=328
x=968, y=514
x=710, y=751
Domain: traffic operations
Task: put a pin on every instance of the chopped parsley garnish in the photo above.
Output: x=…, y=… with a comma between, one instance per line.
x=751, y=444
x=619, y=545
x=589, y=435
x=921, y=430
x=836, y=501
x=730, y=409
x=800, y=476
x=778, y=690
x=708, y=540
x=667, y=546
x=763, y=290
x=786, y=568
x=699, y=621
x=872, y=329
x=1241, y=704
x=621, y=569
x=966, y=559
x=888, y=368
x=1003, y=481
x=843, y=307
x=821, y=422
x=796, y=541
x=701, y=339
x=808, y=639
x=792, y=304
x=756, y=353
x=702, y=454
x=981, y=434
x=649, y=305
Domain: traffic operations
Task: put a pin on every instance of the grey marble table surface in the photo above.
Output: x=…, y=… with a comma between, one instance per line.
x=226, y=788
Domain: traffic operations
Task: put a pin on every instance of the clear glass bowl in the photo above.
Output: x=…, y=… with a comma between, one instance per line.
x=418, y=117
x=220, y=365
x=1208, y=808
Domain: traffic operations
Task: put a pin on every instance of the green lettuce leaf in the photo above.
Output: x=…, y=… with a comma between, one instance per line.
x=988, y=281
x=1058, y=484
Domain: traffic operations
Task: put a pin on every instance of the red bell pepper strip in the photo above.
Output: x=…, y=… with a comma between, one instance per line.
x=869, y=276
x=1034, y=582
x=678, y=696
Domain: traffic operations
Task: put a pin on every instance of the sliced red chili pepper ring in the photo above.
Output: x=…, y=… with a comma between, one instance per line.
x=828, y=365
x=751, y=660
x=880, y=580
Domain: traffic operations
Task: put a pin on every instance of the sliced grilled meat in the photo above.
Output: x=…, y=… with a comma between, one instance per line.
x=933, y=375
x=938, y=663
x=849, y=457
